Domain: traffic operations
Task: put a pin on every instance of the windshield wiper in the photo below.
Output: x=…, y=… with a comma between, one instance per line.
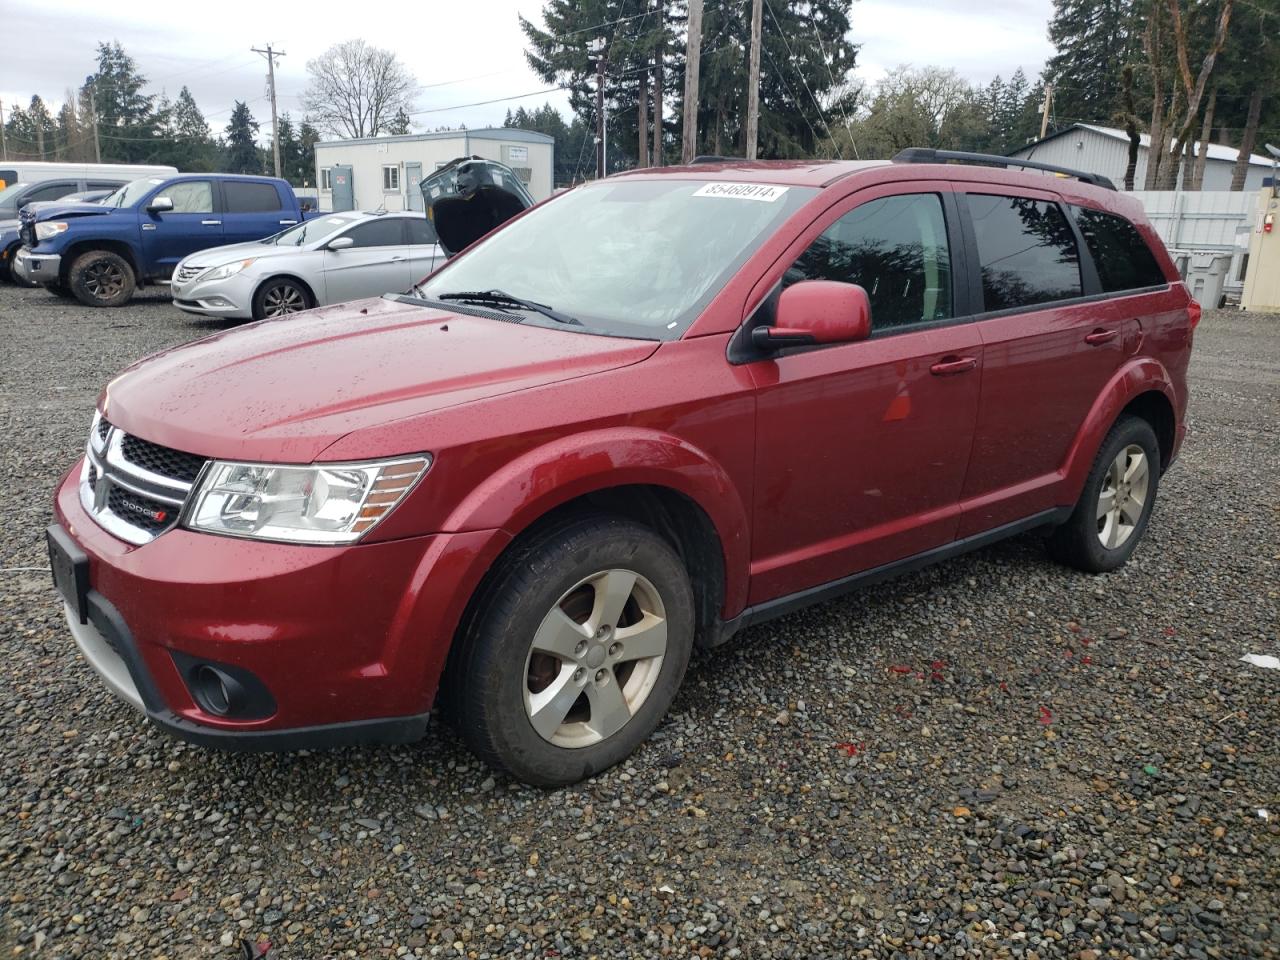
x=499, y=298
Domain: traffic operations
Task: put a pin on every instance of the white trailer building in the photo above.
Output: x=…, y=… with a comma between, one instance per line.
x=1105, y=150
x=375, y=172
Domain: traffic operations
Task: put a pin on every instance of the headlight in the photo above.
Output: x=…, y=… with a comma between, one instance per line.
x=50, y=229
x=323, y=503
x=226, y=270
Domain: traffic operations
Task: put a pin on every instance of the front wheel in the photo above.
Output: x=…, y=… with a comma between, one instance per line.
x=1115, y=507
x=101, y=278
x=280, y=297
x=573, y=651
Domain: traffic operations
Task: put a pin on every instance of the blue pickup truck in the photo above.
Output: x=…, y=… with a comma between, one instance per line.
x=100, y=253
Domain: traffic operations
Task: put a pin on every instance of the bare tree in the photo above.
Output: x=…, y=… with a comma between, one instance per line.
x=356, y=90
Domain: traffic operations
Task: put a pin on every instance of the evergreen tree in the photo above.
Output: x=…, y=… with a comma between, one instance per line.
x=307, y=138
x=243, y=155
x=128, y=124
x=1094, y=40
x=191, y=147
x=20, y=135
x=293, y=166
x=400, y=123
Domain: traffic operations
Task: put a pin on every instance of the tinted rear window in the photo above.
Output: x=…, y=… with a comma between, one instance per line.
x=378, y=233
x=250, y=197
x=1027, y=251
x=421, y=231
x=1123, y=259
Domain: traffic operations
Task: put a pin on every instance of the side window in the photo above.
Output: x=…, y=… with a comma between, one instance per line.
x=190, y=196
x=378, y=233
x=896, y=249
x=8, y=178
x=1123, y=259
x=50, y=191
x=250, y=197
x=421, y=231
x=1026, y=249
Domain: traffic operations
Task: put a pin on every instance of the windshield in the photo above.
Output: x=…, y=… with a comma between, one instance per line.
x=638, y=258
x=310, y=231
x=9, y=196
x=131, y=192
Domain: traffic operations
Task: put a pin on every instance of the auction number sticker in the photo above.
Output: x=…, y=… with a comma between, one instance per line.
x=741, y=191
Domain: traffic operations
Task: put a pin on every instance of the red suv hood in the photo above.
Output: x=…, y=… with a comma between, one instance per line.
x=284, y=390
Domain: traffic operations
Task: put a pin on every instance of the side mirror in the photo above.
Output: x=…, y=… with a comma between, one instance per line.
x=340, y=243
x=159, y=205
x=817, y=311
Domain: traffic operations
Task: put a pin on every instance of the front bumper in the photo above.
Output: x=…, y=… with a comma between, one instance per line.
x=232, y=297
x=36, y=267
x=350, y=642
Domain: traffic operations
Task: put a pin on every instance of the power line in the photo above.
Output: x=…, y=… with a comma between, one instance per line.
x=792, y=57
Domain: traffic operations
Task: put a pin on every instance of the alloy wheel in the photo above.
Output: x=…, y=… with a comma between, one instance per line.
x=1123, y=496
x=283, y=299
x=104, y=280
x=595, y=658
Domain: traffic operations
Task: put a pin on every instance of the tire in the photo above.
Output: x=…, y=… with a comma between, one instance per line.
x=554, y=719
x=59, y=290
x=101, y=278
x=1096, y=539
x=281, y=296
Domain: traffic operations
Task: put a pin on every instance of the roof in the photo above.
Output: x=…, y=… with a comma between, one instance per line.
x=515, y=134
x=1217, y=151
x=796, y=173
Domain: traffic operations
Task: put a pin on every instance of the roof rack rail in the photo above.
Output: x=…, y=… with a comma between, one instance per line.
x=928, y=155
x=711, y=158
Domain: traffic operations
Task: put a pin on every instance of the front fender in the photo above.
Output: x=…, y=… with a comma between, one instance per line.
x=564, y=469
x=1130, y=381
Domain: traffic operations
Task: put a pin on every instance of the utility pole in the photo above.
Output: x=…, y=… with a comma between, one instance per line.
x=271, y=86
x=693, y=55
x=597, y=47
x=753, y=83
x=4, y=145
x=1044, y=114
x=657, y=86
x=93, y=119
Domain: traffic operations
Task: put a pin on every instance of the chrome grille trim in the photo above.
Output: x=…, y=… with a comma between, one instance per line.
x=183, y=274
x=106, y=469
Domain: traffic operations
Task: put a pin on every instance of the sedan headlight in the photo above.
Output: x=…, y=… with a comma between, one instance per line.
x=322, y=503
x=52, y=228
x=226, y=270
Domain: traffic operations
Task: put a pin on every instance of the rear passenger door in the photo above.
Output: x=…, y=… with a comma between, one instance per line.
x=252, y=210
x=861, y=448
x=1047, y=352
x=376, y=263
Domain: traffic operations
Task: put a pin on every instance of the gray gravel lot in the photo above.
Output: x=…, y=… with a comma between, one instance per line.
x=993, y=757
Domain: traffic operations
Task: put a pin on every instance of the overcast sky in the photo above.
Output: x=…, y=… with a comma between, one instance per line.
x=461, y=52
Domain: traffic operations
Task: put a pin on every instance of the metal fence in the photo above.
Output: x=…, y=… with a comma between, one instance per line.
x=1195, y=225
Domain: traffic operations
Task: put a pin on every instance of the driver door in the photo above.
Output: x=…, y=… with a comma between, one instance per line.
x=376, y=263
x=192, y=224
x=862, y=448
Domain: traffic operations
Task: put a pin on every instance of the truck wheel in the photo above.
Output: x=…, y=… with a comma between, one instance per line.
x=6, y=269
x=1115, y=506
x=101, y=278
x=279, y=297
x=573, y=651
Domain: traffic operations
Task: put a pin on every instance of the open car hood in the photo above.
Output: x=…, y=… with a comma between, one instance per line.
x=468, y=197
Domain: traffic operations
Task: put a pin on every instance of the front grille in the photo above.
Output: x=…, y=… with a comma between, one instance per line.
x=143, y=512
x=173, y=464
x=133, y=488
x=183, y=274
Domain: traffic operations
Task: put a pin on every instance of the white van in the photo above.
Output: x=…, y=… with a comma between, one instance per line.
x=35, y=171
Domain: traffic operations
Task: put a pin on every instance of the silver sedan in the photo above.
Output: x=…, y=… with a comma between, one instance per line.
x=331, y=258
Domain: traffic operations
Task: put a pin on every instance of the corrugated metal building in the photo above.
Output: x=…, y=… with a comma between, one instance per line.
x=385, y=171
x=1105, y=150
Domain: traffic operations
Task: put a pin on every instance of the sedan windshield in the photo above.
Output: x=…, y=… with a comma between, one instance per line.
x=132, y=192
x=309, y=231
x=637, y=258
x=9, y=196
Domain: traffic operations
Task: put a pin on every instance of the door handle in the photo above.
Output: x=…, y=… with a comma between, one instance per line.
x=398, y=259
x=948, y=366
x=285, y=223
x=1099, y=337
x=211, y=223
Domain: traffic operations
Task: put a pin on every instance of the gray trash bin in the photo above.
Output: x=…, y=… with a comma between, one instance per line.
x=1205, y=272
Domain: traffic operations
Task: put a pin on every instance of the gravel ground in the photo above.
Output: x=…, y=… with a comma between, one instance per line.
x=993, y=757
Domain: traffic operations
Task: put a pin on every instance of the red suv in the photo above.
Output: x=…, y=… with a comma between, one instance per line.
x=642, y=415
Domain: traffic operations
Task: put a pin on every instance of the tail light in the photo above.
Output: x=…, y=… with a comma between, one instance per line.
x=1194, y=312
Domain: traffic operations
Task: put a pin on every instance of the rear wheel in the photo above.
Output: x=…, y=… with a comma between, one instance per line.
x=573, y=652
x=101, y=278
x=279, y=297
x=1115, y=507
